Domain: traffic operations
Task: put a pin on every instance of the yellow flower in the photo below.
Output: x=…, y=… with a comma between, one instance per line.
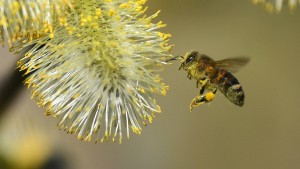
x=276, y=5
x=21, y=21
x=97, y=69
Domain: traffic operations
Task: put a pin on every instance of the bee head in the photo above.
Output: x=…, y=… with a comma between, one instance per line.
x=189, y=59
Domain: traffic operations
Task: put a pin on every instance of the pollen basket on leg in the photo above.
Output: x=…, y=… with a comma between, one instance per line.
x=98, y=72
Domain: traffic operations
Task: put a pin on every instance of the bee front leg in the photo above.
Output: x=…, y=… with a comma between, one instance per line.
x=208, y=97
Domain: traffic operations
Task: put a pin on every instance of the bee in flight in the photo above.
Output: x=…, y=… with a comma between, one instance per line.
x=212, y=76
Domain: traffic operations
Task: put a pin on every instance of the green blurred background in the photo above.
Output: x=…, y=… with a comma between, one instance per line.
x=264, y=134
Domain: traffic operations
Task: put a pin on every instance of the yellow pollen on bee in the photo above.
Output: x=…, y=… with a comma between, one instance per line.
x=209, y=96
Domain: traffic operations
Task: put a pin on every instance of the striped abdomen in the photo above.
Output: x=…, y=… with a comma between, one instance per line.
x=229, y=86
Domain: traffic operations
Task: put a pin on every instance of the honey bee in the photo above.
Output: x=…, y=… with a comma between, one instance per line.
x=212, y=76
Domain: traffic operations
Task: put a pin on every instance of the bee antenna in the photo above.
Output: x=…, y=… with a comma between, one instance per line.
x=174, y=58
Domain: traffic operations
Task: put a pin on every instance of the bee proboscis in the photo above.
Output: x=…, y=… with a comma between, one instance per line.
x=213, y=76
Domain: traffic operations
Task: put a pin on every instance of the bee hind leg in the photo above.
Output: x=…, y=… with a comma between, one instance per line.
x=208, y=97
x=201, y=91
x=202, y=82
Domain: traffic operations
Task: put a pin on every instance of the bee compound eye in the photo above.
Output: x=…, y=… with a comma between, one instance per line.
x=189, y=59
x=192, y=56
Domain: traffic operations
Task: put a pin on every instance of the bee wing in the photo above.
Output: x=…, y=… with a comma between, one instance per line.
x=232, y=64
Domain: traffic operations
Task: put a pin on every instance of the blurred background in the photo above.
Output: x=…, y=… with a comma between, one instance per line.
x=264, y=134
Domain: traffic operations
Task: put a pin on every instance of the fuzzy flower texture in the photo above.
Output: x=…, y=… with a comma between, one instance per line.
x=94, y=63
